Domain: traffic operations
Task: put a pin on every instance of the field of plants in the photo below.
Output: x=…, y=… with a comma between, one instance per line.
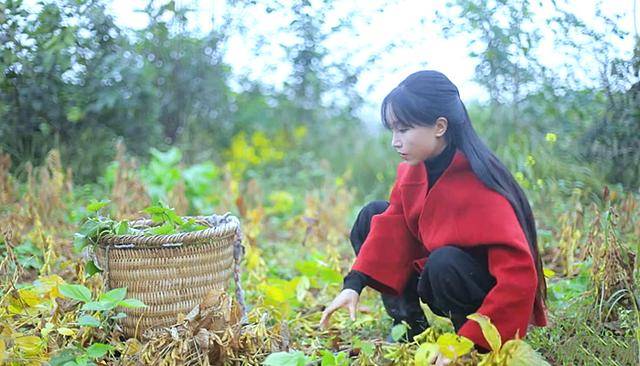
x=56, y=309
x=102, y=124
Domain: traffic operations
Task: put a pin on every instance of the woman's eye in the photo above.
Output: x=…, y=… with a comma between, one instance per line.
x=403, y=130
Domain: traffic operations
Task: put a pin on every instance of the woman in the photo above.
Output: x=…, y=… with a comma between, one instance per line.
x=457, y=233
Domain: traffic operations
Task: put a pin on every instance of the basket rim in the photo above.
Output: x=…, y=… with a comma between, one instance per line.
x=219, y=226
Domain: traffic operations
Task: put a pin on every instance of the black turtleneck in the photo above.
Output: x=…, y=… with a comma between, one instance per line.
x=356, y=280
x=437, y=165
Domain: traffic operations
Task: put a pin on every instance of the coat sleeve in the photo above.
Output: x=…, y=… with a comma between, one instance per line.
x=388, y=253
x=509, y=304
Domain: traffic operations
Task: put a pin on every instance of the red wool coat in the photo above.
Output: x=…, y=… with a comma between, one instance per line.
x=459, y=210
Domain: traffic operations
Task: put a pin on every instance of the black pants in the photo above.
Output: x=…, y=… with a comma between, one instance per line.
x=453, y=283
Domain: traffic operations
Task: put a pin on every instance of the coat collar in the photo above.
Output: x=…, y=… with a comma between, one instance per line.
x=414, y=187
x=417, y=174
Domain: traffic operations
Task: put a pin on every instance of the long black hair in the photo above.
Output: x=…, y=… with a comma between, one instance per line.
x=425, y=96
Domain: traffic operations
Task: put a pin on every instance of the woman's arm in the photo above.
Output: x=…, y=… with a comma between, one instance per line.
x=509, y=304
x=355, y=281
x=390, y=249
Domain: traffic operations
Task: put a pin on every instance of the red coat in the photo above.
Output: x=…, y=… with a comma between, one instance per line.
x=459, y=210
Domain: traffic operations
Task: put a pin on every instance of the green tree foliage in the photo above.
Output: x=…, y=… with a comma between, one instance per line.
x=74, y=80
x=503, y=29
x=69, y=80
x=614, y=141
x=598, y=125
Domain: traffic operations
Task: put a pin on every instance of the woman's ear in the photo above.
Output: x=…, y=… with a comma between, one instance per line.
x=441, y=126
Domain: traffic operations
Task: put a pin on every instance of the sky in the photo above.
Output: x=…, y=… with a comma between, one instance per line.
x=411, y=23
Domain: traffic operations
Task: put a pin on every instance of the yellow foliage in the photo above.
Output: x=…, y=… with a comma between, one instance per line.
x=66, y=331
x=551, y=137
x=3, y=349
x=29, y=346
x=49, y=285
x=29, y=297
x=281, y=202
x=489, y=330
x=453, y=346
x=258, y=149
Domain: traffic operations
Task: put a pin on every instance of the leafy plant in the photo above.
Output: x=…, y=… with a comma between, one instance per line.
x=95, y=226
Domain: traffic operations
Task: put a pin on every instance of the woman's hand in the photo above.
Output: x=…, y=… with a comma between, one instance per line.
x=348, y=298
x=441, y=360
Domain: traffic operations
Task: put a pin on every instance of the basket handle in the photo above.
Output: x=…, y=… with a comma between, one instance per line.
x=238, y=253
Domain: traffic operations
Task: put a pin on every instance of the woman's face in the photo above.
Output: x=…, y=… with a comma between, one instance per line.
x=419, y=143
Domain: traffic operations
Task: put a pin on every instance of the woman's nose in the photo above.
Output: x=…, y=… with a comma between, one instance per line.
x=395, y=141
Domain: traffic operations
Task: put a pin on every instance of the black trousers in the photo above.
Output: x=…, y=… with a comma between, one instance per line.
x=454, y=282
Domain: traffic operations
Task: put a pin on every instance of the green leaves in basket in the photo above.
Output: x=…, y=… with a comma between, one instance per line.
x=95, y=206
x=160, y=213
x=122, y=228
x=191, y=225
x=165, y=229
x=90, y=232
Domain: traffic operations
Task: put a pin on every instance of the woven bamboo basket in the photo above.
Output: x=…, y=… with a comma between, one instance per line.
x=171, y=274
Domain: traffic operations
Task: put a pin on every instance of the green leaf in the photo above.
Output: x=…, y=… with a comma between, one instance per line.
x=489, y=330
x=426, y=354
x=190, y=225
x=398, y=331
x=122, y=228
x=89, y=228
x=151, y=210
x=166, y=229
x=79, y=241
x=328, y=358
x=132, y=303
x=366, y=348
x=302, y=287
x=118, y=316
x=174, y=218
x=315, y=269
x=99, y=306
x=82, y=360
x=98, y=350
x=64, y=357
x=90, y=269
x=88, y=321
x=453, y=346
x=342, y=359
x=75, y=114
x=296, y=358
x=115, y=296
x=95, y=206
x=76, y=292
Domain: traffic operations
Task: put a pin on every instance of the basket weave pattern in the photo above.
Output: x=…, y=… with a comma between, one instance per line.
x=169, y=273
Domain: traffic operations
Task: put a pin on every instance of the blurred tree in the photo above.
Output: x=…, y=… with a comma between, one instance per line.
x=614, y=141
x=69, y=81
x=188, y=77
x=503, y=40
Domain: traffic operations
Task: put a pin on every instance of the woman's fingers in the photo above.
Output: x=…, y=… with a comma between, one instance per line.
x=347, y=298
x=326, y=314
x=352, y=309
